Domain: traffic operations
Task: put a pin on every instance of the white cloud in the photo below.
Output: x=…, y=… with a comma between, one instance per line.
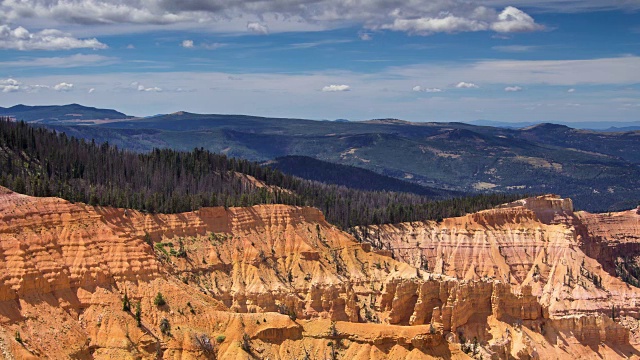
x=419, y=88
x=262, y=17
x=364, y=36
x=462, y=19
x=513, y=89
x=12, y=85
x=63, y=86
x=187, y=44
x=131, y=46
x=139, y=87
x=335, y=88
x=426, y=26
x=9, y=85
x=571, y=90
x=48, y=39
x=466, y=85
x=91, y=91
x=512, y=19
x=374, y=95
x=149, y=89
x=256, y=27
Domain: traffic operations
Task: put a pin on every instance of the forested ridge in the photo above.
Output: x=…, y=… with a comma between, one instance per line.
x=40, y=162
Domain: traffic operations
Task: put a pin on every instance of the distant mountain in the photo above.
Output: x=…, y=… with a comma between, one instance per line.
x=72, y=113
x=502, y=124
x=622, y=129
x=605, y=126
x=349, y=176
x=599, y=170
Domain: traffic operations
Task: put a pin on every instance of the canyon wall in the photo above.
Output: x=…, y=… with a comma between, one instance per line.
x=279, y=282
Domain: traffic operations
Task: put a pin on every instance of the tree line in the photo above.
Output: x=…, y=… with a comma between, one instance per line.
x=41, y=162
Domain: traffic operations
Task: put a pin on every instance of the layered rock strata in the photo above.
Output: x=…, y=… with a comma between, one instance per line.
x=279, y=282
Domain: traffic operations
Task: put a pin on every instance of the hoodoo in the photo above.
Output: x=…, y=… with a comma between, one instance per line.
x=279, y=282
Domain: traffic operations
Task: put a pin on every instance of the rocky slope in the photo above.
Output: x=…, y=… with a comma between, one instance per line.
x=279, y=282
x=567, y=260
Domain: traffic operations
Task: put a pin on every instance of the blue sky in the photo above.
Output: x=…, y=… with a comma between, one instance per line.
x=438, y=60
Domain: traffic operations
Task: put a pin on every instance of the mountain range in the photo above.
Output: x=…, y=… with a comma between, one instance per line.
x=599, y=170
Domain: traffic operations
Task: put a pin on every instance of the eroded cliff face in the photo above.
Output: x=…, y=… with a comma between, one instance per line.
x=279, y=282
x=566, y=260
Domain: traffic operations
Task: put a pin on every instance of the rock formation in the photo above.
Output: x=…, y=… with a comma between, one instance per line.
x=279, y=282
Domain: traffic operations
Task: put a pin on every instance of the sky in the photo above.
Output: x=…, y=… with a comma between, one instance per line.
x=417, y=60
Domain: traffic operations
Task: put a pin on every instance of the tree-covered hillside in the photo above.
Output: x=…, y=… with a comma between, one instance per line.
x=599, y=171
x=40, y=162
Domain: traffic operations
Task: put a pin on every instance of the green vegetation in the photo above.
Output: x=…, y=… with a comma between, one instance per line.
x=220, y=339
x=138, y=314
x=452, y=156
x=56, y=114
x=159, y=299
x=126, y=303
x=245, y=343
x=39, y=162
x=628, y=270
x=165, y=326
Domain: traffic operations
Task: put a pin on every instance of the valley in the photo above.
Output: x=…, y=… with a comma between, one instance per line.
x=598, y=170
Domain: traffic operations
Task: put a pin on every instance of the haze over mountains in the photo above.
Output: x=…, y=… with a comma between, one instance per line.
x=599, y=170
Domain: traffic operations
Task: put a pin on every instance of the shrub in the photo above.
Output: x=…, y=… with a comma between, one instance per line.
x=159, y=300
x=165, y=326
x=245, y=344
x=126, y=303
x=220, y=339
x=138, y=314
x=147, y=238
x=203, y=342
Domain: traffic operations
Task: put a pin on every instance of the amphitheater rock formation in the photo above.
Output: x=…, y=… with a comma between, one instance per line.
x=279, y=282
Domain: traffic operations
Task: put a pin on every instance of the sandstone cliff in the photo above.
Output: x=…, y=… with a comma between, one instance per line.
x=279, y=282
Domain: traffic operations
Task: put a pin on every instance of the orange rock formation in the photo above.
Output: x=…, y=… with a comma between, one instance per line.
x=279, y=282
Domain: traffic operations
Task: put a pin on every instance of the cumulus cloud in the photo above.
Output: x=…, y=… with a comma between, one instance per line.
x=419, y=17
x=513, y=89
x=419, y=88
x=63, y=86
x=139, y=87
x=12, y=85
x=256, y=27
x=512, y=19
x=9, y=85
x=187, y=44
x=463, y=19
x=48, y=39
x=336, y=88
x=143, y=88
x=466, y=85
x=426, y=26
